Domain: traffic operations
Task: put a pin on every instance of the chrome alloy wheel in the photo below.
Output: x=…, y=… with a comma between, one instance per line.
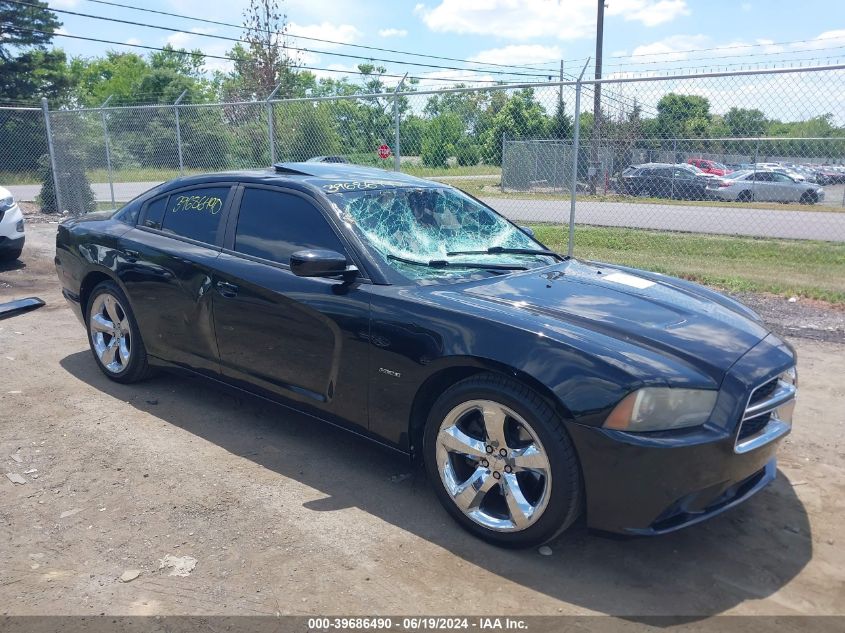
x=111, y=334
x=493, y=465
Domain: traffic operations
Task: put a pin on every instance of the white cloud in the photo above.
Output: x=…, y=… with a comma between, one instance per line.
x=566, y=19
x=392, y=33
x=519, y=54
x=649, y=13
x=189, y=40
x=133, y=41
x=434, y=79
x=63, y=4
x=345, y=33
x=62, y=31
x=745, y=6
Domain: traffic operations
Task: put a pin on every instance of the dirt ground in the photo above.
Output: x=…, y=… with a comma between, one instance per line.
x=285, y=515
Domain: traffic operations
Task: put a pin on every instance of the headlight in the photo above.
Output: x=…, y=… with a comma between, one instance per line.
x=790, y=376
x=6, y=202
x=662, y=408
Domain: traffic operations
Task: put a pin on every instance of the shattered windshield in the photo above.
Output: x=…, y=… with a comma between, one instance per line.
x=413, y=227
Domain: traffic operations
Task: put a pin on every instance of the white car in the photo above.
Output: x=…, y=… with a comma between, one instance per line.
x=767, y=186
x=11, y=227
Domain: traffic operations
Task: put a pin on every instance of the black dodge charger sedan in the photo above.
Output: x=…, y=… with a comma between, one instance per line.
x=535, y=388
x=661, y=180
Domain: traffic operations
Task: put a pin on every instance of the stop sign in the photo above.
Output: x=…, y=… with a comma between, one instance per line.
x=384, y=151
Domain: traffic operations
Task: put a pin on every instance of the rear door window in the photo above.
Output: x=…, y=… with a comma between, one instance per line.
x=196, y=213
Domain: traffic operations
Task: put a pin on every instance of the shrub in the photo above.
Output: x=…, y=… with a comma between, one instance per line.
x=467, y=153
x=77, y=196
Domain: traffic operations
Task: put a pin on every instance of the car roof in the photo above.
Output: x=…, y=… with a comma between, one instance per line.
x=327, y=177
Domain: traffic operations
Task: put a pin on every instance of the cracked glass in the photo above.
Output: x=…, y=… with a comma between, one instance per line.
x=421, y=225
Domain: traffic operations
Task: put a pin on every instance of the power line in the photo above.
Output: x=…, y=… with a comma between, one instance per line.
x=735, y=46
x=716, y=57
x=235, y=59
x=791, y=62
x=284, y=46
x=305, y=37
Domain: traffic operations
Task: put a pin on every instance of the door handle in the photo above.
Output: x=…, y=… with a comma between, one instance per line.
x=132, y=256
x=226, y=289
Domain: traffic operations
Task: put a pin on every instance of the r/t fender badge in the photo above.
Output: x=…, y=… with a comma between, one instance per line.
x=390, y=372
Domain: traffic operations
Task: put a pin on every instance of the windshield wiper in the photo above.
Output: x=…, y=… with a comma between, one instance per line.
x=496, y=250
x=442, y=263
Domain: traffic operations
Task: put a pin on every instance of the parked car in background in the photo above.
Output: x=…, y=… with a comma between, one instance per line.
x=11, y=227
x=533, y=386
x=664, y=180
x=709, y=166
x=764, y=185
x=830, y=174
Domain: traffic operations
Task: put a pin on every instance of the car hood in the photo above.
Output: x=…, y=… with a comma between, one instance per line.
x=668, y=315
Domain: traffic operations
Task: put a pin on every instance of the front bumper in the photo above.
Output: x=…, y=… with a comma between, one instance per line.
x=11, y=238
x=647, y=490
x=647, y=484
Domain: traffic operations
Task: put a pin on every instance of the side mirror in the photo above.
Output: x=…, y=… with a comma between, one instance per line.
x=527, y=230
x=319, y=263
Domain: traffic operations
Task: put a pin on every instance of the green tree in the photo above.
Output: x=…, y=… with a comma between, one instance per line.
x=441, y=135
x=28, y=71
x=411, y=133
x=683, y=116
x=263, y=61
x=25, y=25
x=305, y=130
x=560, y=125
x=521, y=117
x=746, y=122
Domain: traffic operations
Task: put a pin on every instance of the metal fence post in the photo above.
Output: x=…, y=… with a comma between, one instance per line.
x=178, y=130
x=271, y=132
x=108, y=149
x=576, y=140
x=45, y=108
x=397, y=160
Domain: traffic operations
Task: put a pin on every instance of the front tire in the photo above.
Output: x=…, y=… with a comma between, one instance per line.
x=501, y=462
x=809, y=197
x=10, y=256
x=114, y=336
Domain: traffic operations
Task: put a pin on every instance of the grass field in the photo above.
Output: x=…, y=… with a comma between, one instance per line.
x=785, y=267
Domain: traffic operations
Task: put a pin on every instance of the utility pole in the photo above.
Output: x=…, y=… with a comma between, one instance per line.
x=594, y=142
x=560, y=88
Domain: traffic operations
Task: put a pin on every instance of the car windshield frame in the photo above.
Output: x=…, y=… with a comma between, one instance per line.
x=405, y=227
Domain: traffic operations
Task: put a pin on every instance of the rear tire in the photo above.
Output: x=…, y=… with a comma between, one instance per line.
x=745, y=196
x=501, y=462
x=113, y=335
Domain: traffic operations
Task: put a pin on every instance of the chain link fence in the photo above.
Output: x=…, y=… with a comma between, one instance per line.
x=736, y=179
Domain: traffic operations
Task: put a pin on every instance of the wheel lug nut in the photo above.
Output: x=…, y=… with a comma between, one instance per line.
x=508, y=469
x=485, y=463
x=496, y=475
x=502, y=452
x=489, y=449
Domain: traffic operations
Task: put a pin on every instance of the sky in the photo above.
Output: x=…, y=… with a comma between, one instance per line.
x=640, y=36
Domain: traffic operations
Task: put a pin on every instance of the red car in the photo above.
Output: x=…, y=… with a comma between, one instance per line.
x=709, y=166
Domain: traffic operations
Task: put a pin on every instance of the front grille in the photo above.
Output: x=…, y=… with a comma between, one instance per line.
x=752, y=426
x=763, y=392
x=768, y=414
